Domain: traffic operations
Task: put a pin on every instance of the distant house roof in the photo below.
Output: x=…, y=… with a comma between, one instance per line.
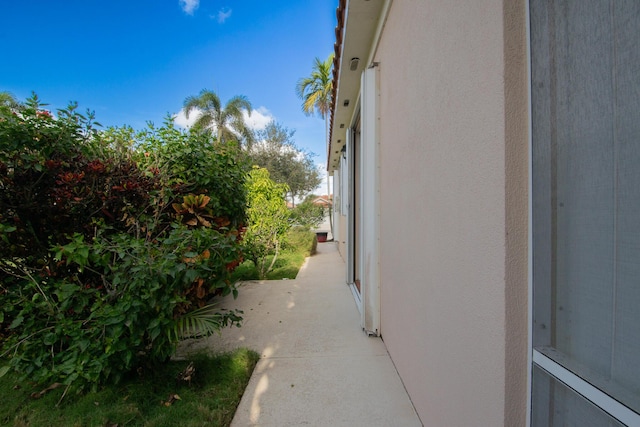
x=324, y=200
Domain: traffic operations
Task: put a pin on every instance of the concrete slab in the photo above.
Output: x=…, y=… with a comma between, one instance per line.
x=317, y=368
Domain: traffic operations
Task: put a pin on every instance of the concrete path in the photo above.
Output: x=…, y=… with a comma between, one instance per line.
x=325, y=226
x=317, y=367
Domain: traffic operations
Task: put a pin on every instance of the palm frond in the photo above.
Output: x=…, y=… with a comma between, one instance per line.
x=315, y=91
x=236, y=104
x=210, y=100
x=201, y=322
x=227, y=123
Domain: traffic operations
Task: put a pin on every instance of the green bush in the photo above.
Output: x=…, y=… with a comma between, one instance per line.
x=302, y=240
x=190, y=162
x=307, y=215
x=297, y=244
x=110, y=247
x=268, y=219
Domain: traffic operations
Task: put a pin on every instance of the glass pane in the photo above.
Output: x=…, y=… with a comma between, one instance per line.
x=585, y=58
x=559, y=406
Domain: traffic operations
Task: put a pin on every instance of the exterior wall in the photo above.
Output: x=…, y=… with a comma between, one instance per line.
x=453, y=189
x=341, y=226
x=339, y=217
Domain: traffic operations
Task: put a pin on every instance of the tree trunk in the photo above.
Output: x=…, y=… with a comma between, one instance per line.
x=275, y=256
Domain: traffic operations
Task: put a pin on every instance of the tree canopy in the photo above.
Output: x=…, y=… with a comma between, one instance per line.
x=267, y=217
x=228, y=121
x=287, y=164
x=8, y=100
x=315, y=90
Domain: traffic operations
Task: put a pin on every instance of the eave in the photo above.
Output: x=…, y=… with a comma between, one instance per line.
x=355, y=33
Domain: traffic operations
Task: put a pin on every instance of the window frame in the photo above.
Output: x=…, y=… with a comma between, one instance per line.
x=536, y=358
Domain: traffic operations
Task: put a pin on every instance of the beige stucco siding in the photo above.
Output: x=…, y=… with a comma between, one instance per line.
x=446, y=313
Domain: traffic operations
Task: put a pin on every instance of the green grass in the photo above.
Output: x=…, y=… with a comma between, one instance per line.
x=210, y=400
x=299, y=244
x=287, y=266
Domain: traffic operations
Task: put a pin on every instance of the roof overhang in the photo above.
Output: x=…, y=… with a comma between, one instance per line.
x=355, y=34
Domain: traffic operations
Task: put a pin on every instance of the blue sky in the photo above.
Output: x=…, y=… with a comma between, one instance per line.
x=136, y=61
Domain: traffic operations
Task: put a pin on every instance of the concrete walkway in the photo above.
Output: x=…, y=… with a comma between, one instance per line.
x=317, y=367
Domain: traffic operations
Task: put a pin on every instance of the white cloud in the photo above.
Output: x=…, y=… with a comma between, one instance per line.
x=188, y=6
x=181, y=120
x=322, y=188
x=223, y=15
x=259, y=119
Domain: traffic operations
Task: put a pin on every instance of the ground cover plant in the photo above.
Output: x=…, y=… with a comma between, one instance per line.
x=152, y=398
x=112, y=243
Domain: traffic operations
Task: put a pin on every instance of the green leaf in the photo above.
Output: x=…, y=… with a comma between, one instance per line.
x=113, y=320
x=154, y=323
x=16, y=322
x=153, y=333
x=50, y=339
x=66, y=291
x=4, y=370
x=190, y=276
x=83, y=344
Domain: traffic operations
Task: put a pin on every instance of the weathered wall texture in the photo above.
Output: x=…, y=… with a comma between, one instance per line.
x=453, y=150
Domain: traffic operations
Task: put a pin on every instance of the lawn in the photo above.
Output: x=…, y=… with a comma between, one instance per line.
x=148, y=399
x=298, y=245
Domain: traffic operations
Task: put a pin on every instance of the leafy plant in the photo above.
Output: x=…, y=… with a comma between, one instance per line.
x=189, y=163
x=287, y=164
x=307, y=215
x=194, y=211
x=297, y=245
x=300, y=239
x=102, y=267
x=268, y=219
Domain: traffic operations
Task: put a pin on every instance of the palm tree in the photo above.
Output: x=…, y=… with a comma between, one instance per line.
x=228, y=121
x=315, y=92
x=8, y=100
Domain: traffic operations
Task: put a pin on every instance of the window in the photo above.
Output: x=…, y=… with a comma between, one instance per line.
x=585, y=72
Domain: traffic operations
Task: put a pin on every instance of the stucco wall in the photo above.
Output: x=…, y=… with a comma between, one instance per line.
x=339, y=218
x=453, y=151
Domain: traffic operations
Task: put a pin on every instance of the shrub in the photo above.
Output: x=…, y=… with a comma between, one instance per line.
x=268, y=219
x=102, y=267
x=301, y=239
x=189, y=162
x=307, y=215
